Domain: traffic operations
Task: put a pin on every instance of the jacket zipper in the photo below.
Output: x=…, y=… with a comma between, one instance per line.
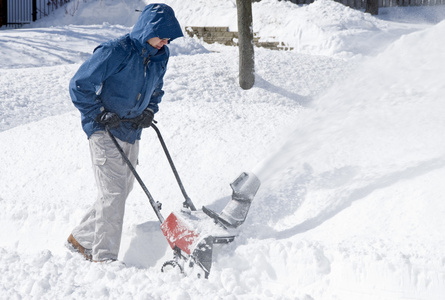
x=146, y=62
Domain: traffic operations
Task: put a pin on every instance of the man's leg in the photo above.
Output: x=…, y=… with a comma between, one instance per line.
x=101, y=228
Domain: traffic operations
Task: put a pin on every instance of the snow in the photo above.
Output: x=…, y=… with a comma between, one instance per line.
x=345, y=132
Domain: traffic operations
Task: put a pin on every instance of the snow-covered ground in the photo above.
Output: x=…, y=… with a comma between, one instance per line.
x=345, y=133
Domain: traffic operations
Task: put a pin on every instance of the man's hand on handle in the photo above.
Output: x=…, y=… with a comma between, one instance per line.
x=109, y=119
x=144, y=120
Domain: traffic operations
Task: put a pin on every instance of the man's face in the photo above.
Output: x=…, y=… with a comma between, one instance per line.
x=157, y=43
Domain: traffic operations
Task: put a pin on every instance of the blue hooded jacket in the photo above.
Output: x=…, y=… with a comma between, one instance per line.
x=125, y=76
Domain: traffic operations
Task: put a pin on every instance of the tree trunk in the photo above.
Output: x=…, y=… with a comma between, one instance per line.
x=245, y=42
x=372, y=7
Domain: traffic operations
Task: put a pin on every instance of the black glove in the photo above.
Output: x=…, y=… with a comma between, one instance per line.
x=144, y=120
x=109, y=119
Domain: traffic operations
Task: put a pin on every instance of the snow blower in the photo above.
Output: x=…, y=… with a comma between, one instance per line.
x=192, y=233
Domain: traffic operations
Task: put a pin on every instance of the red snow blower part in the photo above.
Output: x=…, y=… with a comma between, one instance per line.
x=192, y=233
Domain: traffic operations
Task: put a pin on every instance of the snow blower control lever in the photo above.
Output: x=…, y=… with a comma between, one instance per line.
x=192, y=233
x=188, y=202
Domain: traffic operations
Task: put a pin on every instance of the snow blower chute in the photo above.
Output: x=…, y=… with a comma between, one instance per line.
x=192, y=233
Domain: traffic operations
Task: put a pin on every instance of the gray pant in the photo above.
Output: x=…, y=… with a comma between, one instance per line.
x=101, y=228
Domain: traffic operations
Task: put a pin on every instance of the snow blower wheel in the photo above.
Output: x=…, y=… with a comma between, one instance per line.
x=171, y=265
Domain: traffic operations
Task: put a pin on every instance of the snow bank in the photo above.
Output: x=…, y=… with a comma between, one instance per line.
x=363, y=175
x=322, y=28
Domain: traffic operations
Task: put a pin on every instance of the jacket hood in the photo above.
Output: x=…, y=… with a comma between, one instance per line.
x=156, y=20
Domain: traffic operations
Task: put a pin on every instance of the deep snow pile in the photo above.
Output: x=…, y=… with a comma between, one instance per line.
x=351, y=155
x=322, y=28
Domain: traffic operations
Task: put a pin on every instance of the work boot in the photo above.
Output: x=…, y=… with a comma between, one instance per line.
x=72, y=243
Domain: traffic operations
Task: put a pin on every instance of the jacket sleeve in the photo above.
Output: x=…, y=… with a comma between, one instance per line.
x=156, y=97
x=86, y=85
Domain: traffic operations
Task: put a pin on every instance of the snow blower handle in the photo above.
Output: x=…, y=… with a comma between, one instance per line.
x=188, y=202
x=156, y=205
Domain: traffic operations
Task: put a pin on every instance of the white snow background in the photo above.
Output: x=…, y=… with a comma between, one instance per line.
x=346, y=133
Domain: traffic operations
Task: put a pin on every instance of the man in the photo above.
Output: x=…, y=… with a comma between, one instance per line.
x=121, y=81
